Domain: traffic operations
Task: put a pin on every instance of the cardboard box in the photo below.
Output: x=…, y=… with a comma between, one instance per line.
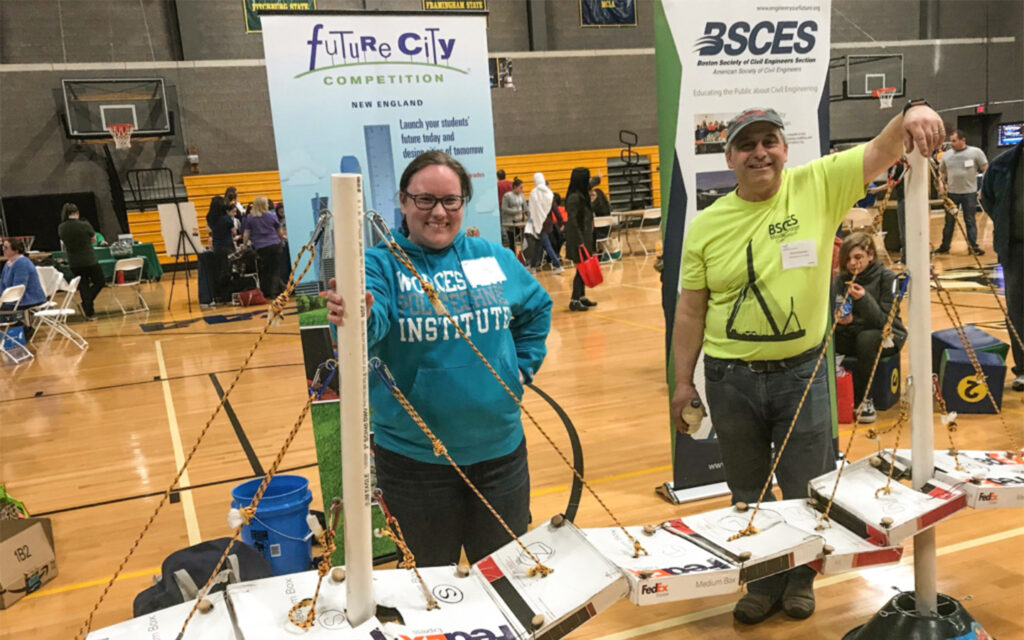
x=29, y=560
x=674, y=569
x=1000, y=479
x=884, y=520
x=583, y=584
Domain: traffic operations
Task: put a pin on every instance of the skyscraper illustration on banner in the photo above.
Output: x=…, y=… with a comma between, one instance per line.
x=381, y=169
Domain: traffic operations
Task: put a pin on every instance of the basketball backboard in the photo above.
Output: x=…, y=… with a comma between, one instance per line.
x=91, y=106
x=863, y=74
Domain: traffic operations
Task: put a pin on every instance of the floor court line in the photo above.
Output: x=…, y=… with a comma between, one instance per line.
x=187, y=503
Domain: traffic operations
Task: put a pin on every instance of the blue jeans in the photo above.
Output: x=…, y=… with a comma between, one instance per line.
x=439, y=514
x=968, y=203
x=751, y=412
x=544, y=245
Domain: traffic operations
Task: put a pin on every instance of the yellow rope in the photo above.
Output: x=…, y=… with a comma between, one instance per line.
x=275, y=310
x=394, y=532
x=326, y=539
x=438, y=305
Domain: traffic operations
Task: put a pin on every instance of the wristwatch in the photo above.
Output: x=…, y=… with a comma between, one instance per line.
x=913, y=102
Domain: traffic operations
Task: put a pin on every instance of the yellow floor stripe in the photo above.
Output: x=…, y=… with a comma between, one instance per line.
x=187, y=503
x=661, y=625
x=154, y=571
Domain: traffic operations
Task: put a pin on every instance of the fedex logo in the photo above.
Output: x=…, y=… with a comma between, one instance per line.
x=653, y=589
x=988, y=497
x=713, y=564
x=783, y=37
x=503, y=633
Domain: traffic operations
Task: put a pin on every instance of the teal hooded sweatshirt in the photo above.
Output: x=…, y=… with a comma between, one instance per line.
x=506, y=313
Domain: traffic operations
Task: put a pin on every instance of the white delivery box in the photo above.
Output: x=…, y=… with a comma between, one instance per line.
x=991, y=479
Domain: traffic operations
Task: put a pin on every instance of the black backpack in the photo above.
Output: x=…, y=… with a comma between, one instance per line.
x=184, y=572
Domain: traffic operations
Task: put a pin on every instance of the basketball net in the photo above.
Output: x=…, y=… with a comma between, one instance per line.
x=122, y=135
x=885, y=96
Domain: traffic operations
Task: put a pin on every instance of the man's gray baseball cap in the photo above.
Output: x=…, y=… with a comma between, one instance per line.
x=750, y=116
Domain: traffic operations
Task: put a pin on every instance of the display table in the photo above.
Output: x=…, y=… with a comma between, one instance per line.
x=151, y=269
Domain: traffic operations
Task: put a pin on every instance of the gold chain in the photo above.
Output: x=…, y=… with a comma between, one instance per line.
x=439, y=306
x=276, y=309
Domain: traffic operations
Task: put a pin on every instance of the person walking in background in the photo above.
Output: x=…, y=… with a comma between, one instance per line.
x=579, y=232
x=504, y=186
x=960, y=167
x=859, y=331
x=513, y=207
x=1002, y=195
x=262, y=229
x=78, y=236
x=537, y=223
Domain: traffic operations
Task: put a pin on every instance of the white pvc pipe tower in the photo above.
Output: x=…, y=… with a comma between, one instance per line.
x=350, y=276
x=919, y=329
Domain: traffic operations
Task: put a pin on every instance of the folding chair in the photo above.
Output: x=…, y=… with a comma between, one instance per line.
x=128, y=273
x=12, y=297
x=650, y=223
x=603, y=222
x=56, y=318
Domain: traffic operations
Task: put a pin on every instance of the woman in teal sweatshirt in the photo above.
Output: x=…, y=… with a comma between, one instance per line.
x=507, y=314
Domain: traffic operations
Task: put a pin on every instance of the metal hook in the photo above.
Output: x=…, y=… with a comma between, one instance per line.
x=321, y=227
x=379, y=226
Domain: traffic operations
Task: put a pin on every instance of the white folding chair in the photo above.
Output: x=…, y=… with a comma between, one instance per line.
x=11, y=297
x=56, y=317
x=650, y=223
x=603, y=222
x=128, y=273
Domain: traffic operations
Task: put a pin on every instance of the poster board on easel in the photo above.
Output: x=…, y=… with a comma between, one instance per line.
x=171, y=226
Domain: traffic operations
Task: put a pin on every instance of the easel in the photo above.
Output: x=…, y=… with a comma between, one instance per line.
x=183, y=238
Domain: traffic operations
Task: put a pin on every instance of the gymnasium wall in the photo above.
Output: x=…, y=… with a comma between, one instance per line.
x=576, y=95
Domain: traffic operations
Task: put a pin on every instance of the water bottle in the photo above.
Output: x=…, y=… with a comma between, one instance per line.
x=692, y=416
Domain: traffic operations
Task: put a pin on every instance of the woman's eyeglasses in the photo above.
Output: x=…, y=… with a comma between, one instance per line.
x=427, y=201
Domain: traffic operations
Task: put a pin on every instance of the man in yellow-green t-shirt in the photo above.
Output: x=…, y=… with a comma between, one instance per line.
x=755, y=296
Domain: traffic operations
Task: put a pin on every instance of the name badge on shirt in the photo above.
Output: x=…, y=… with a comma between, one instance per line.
x=482, y=272
x=968, y=163
x=800, y=253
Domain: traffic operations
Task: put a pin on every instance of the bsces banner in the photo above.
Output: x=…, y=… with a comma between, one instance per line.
x=367, y=94
x=716, y=58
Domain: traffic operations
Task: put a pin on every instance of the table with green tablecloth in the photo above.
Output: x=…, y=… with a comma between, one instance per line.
x=151, y=269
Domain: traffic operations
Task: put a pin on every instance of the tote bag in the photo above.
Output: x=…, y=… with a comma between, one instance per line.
x=589, y=269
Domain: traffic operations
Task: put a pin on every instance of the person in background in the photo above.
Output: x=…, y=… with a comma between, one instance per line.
x=959, y=168
x=601, y=206
x=235, y=209
x=262, y=230
x=1002, y=195
x=78, y=237
x=538, y=225
x=222, y=237
x=859, y=330
x=513, y=207
x=472, y=232
x=19, y=269
x=508, y=315
x=579, y=233
x=557, y=218
x=504, y=186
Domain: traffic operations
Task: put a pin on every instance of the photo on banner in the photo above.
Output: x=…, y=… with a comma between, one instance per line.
x=365, y=93
x=715, y=58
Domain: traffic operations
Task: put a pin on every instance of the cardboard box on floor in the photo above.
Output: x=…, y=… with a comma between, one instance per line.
x=27, y=558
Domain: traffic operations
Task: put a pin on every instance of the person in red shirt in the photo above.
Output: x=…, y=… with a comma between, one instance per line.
x=504, y=186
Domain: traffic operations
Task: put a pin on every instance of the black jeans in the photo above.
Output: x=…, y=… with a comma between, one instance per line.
x=969, y=205
x=863, y=346
x=578, y=290
x=1013, y=274
x=89, y=287
x=269, y=270
x=439, y=514
x=751, y=411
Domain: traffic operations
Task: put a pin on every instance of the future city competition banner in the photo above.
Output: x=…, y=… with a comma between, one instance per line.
x=715, y=58
x=365, y=93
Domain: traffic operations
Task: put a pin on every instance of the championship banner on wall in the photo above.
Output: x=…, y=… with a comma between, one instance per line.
x=365, y=93
x=607, y=13
x=252, y=9
x=715, y=58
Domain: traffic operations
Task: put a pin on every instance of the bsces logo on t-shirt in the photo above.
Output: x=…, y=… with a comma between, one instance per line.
x=781, y=230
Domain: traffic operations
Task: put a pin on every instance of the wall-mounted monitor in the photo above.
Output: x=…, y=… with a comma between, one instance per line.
x=1010, y=133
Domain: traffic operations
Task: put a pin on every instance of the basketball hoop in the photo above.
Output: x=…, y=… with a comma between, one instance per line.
x=122, y=135
x=885, y=96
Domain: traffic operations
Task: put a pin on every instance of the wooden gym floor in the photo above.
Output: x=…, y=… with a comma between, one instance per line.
x=92, y=439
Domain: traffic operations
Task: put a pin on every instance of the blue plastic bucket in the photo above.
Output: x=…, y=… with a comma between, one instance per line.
x=279, y=529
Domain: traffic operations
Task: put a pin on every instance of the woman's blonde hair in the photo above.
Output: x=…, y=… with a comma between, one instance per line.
x=260, y=205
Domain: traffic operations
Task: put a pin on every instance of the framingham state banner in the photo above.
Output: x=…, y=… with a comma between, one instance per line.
x=715, y=58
